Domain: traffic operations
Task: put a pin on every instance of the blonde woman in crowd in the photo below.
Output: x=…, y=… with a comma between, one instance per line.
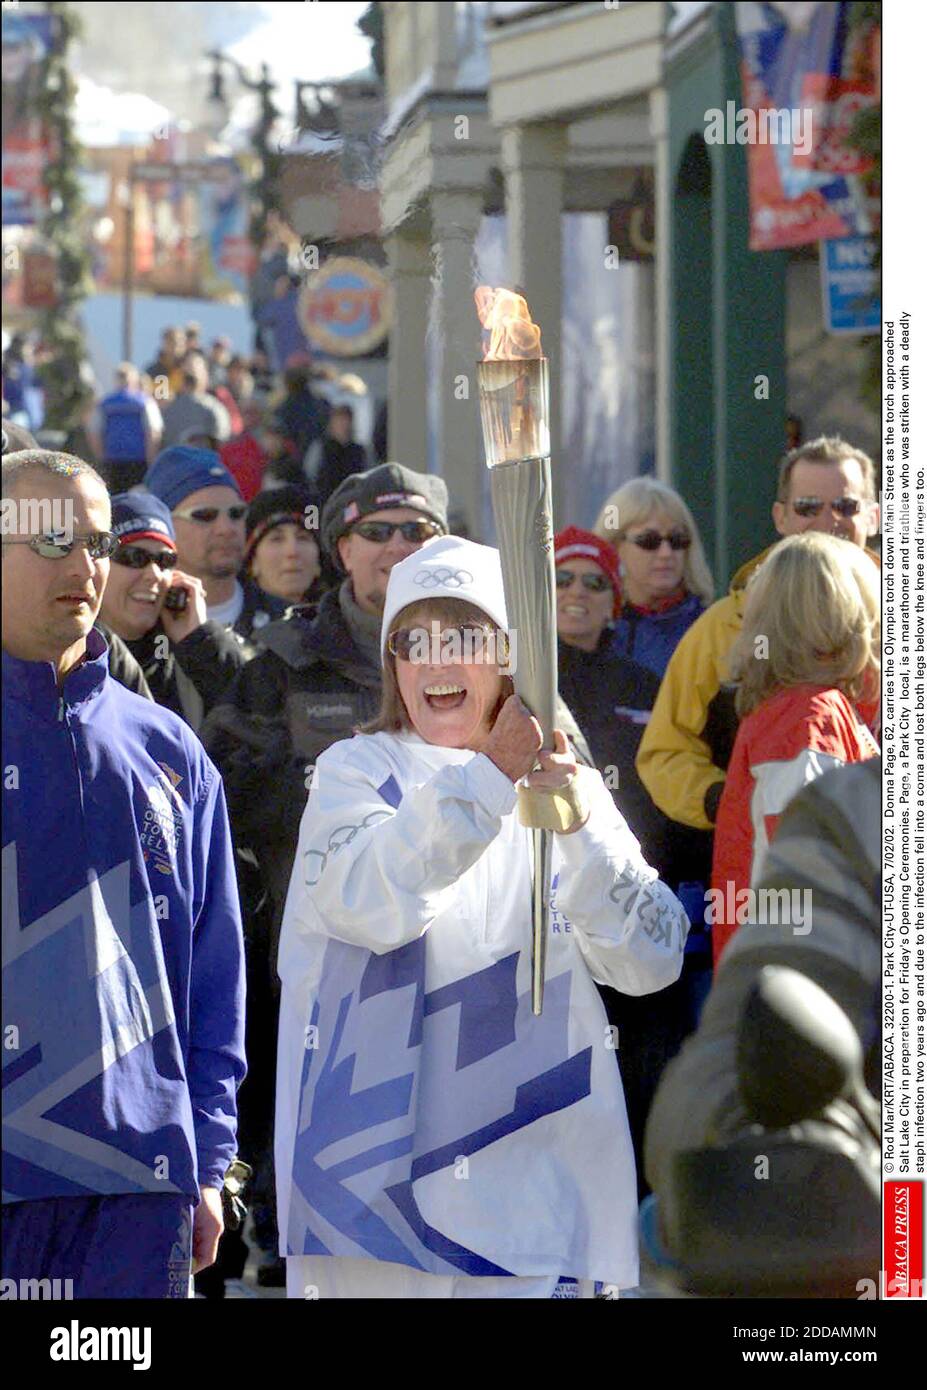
x=665, y=579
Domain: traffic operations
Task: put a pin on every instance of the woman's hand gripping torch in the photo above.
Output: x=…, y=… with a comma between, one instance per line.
x=514, y=407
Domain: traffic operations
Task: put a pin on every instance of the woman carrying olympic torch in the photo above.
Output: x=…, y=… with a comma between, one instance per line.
x=435, y=1136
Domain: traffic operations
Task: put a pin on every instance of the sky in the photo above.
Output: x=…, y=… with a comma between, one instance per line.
x=138, y=64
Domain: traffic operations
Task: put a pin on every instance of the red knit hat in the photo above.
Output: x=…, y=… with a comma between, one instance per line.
x=572, y=541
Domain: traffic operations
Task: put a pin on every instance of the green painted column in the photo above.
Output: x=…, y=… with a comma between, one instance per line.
x=727, y=307
x=749, y=348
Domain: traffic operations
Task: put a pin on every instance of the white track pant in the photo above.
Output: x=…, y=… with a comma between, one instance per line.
x=328, y=1276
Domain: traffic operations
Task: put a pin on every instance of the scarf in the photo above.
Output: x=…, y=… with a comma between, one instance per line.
x=363, y=627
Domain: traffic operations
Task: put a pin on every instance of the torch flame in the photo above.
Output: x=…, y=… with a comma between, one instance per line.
x=506, y=320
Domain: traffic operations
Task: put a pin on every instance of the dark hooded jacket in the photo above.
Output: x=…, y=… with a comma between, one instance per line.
x=611, y=698
x=123, y=666
x=192, y=675
x=309, y=686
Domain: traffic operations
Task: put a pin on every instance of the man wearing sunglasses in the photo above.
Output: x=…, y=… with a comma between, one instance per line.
x=208, y=513
x=824, y=485
x=123, y=960
x=318, y=677
x=188, y=660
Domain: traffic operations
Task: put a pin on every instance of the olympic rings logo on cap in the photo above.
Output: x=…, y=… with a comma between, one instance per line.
x=440, y=574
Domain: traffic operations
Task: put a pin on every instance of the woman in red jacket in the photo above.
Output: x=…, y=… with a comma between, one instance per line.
x=807, y=654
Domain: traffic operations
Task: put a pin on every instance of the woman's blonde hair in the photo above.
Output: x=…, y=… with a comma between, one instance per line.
x=635, y=502
x=812, y=617
x=392, y=716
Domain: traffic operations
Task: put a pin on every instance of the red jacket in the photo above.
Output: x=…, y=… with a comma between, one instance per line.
x=789, y=740
x=246, y=461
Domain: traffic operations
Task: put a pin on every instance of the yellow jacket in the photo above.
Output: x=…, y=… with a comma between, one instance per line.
x=687, y=743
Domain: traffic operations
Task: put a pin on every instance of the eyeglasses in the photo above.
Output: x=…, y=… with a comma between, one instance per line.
x=595, y=583
x=207, y=515
x=382, y=531
x=135, y=557
x=466, y=640
x=841, y=506
x=99, y=545
x=652, y=540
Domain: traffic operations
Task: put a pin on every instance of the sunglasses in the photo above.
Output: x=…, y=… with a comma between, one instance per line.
x=382, y=531
x=652, y=540
x=135, y=557
x=99, y=545
x=207, y=515
x=595, y=583
x=471, y=639
x=842, y=506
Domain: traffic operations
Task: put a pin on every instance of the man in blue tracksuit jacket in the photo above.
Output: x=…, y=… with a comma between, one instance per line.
x=123, y=966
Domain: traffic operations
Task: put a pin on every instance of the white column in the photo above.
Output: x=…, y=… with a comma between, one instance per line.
x=409, y=255
x=662, y=175
x=533, y=163
x=444, y=70
x=455, y=215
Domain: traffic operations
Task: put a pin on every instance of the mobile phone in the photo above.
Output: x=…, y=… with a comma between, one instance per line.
x=176, y=599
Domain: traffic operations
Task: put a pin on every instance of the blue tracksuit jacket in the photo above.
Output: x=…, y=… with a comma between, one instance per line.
x=123, y=963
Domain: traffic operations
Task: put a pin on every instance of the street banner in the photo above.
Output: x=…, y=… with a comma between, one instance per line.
x=850, y=285
x=805, y=74
x=228, y=256
x=27, y=40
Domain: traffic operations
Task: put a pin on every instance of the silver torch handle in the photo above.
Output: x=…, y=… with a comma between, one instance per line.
x=521, y=493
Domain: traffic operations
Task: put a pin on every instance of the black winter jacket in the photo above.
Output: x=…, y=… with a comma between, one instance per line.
x=123, y=666
x=611, y=698
x=308, y=687
x=192, y=675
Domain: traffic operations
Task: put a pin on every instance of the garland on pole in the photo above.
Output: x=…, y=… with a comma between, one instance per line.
x=66, y=390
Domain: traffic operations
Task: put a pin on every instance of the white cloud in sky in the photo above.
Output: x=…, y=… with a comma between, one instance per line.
x=310, y=42
x=105, y=118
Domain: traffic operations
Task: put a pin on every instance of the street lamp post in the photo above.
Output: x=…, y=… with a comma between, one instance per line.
x=264, y=190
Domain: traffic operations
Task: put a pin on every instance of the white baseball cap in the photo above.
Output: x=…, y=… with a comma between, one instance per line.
x=447, y=567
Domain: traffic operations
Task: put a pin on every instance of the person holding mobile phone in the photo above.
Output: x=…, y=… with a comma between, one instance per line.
x=160, y=612
x=208, y=517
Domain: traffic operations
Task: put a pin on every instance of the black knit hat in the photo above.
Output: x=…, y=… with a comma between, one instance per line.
x=277, y=506
x=379, y=490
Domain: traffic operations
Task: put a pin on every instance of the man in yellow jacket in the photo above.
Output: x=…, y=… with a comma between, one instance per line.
x=825, y=485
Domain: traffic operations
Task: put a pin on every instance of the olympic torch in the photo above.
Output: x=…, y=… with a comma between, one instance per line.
x=515, y=412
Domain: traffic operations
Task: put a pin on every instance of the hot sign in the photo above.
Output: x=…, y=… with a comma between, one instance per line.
x=345, y=308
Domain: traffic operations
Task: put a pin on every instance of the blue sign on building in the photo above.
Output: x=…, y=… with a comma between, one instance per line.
x=850, y=285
